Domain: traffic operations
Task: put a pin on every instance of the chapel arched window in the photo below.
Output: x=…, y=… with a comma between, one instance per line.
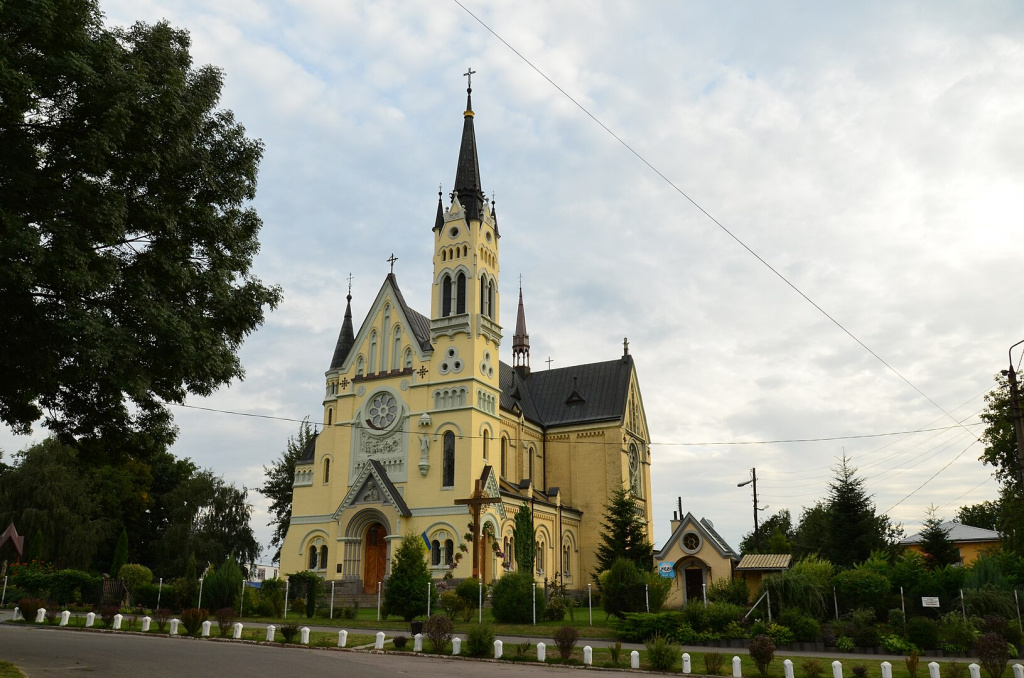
x=448, y=461
x=435, y=553
x=460, y=293
x=327, y=470
x=446, y=296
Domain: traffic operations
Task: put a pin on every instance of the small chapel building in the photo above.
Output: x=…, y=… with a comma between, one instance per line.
x=423, y=425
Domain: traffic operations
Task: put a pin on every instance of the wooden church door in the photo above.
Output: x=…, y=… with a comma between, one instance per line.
x=376, y=557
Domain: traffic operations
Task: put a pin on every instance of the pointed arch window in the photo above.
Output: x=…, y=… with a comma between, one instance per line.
x=460, y=293
x=448, y=461
x=396, y=353
x=313, y=552
x=435, y=553
x=504, y=457
x=487, y=443
x=530, y=458
x=360, y=367
x=330, y=416
x=327, y=471
x=323, y=557
x=373, y=350
x=490, y=299
x=449, y=552
x=446, y=296
x=408, y=358
x=483, y=294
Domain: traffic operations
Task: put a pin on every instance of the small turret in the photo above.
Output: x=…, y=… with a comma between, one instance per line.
x=521, y=341
x=346, y=338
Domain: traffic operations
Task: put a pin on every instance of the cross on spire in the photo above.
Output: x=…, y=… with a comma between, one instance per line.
x=392, y=259
x=549, y=361
x=350, y=283
x=469, y=78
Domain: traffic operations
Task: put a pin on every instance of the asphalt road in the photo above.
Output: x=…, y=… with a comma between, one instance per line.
x=46, y=651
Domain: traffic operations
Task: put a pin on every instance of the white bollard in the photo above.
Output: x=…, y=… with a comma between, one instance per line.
x=787, y=668
x=498, y=645
x=17, y=613
x=175, y=623
x=117, y=622
x=379, y=644
x=933, y=670
x=65, y=617
x=634, y=660
x=686, y=662
x=542, y=652
x=206, y=629
x=837, y=669
x=271, y=630
x=41, y=615
x=886, y=670
x=146, y=621
x=456, y=646
x=417, y=643
x=304, y=635
x=238, y=630
x=974, y=670
x=588, y=655
x=90, y=619
x=1018, y=671
x=342, y=638
x=737, y=668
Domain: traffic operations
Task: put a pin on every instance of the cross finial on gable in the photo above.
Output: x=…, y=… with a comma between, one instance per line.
x=469, y=78
x=392, y=259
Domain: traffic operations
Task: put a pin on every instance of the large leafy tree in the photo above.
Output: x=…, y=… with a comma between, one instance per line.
x=985, y=515
x=126, y=235
x=623, y=534
x=280, y=479
x=1001, y=453
x=776, y=535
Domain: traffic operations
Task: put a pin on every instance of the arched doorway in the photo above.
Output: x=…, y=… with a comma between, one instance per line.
x=691, y=573
x=376, y=557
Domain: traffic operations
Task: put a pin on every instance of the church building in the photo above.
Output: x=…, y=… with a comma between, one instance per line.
x=427, y=432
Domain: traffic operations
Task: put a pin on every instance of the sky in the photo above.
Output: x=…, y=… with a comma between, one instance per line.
x=871, y=153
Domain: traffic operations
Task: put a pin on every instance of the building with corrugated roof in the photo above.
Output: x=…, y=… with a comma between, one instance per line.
x=970, y=541
x=695, y=556
x=420, y=416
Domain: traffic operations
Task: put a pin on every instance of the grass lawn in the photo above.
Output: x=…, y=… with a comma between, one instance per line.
x=9, y=670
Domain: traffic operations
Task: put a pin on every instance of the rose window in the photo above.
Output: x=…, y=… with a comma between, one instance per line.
x=383, y=410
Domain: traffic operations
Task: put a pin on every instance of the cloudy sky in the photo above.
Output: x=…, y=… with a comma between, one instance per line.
x=871, y=153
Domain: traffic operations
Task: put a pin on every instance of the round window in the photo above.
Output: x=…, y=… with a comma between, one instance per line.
x=453, y=233
x=383, y=411
x=691, y=542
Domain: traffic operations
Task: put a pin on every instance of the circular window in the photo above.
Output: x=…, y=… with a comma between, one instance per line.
x=691, y=542
x=383, y=411
x=488, y=236
x=453, y=233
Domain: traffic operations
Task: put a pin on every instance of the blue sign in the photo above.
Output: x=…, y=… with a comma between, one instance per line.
x=667, y=569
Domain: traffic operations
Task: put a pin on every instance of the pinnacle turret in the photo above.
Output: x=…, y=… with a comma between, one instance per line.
x=521, y=341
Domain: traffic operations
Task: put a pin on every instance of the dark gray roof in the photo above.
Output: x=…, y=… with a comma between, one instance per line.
x=958, y=532
x=346, y=338
x=420, y=323
x=382, y=476
x=568, y=395
x=307, y=452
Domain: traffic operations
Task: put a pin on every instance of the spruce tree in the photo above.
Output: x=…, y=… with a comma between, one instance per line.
x=854, y=530
x=280, y=481
x=523, y=536
x=623, y=534
x=939, y=550
x=406, y=589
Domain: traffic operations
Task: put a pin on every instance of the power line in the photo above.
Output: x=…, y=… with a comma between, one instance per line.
x=706, y=213
x=969, y=445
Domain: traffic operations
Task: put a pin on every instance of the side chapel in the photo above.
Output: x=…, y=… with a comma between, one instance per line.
x=424, y=428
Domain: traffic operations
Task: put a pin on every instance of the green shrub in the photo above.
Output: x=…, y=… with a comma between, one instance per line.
x=954, y=669
x=923, y=632
x=451, y=603
x=409, y=581
x=713, y=617
x=161, y=616
x=956, y=633
x=522, y=649
x=845, y=644
x=400, y=642
x=309, y=584
x=637, y=627
x=565, y=640
x=480, y=640
x=68, y=586
x=861, y=586
x=438, y=630
x=805, y=628
x=993, y=653
x=192, y=619
x=714, y=662
x=729, y=590
x=555, y=610
x=30, y=607
x=222, y=588
x=615, y=652
x=860, y=670
x=658, y=590
x=661, y=653
x=622, y=589
x=225, y=620
x=289, y=631
x=272, y=593
x=107, y=614
x=912, y=661
x=298, y=605
x=762, y=652
x=812, y=668
x=134, y=575
x=469, y=591
x=511, y=596
x=894, y=644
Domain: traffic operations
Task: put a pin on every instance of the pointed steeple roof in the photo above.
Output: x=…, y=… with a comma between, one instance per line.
x=439, y=219
x=521, y=340
x=346, y=338
x=467, y=174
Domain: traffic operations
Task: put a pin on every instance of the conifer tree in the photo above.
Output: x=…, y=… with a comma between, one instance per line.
x=524, y=537
x=405, y=592
x=854, y=529
x=623, y=534
x=939, y=550
x=280, y=481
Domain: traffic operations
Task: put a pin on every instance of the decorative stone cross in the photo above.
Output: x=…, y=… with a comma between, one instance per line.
x=392, y=259
x=549, y=361
x=476, y=502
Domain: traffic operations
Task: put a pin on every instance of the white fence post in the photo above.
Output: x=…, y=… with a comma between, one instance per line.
x=886, y=670
x=41, y=615
x=837, y=669
x=342, y=638
x=787, y=668
x=974, y=670
x=417, y=643
x=271, y=630
x=542, y=652
x=686, y=662
x=497, y=649
x=304, y=637
x=238, y=630
x=1018, y=671
x=737, y=668
x=456, y=645
x=379, y=643
x=933, y=670
x=588, y=655
x=206, y=628
x=634, y=660
x=175, y=623
x=65, y=616
x=17, y=613
x=90, y=619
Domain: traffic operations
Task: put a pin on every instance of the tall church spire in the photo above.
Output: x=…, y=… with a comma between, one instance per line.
x=521, y=341
x=346, y=338
x=467, y=174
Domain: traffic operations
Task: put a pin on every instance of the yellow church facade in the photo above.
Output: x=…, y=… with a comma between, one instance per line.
x=420, y=414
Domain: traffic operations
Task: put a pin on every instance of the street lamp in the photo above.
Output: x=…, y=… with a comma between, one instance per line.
x=1015, y=412
x=753, y=479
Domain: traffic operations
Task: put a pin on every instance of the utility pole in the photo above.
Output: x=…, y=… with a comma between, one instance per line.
x=753, y=479
x=1015, y=413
